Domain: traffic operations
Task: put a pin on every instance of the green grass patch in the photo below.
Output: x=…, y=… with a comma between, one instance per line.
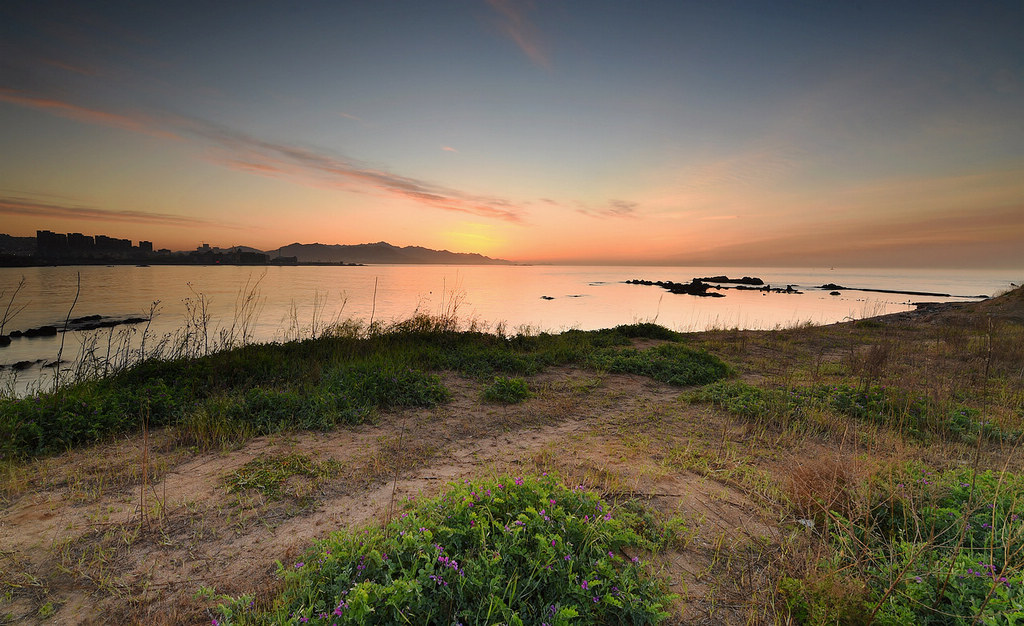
x=507, y=390
x=513, y=551
x=674, y=364
x=267, y=475
x=927, y=548
x=913, y=415
x=318, y=383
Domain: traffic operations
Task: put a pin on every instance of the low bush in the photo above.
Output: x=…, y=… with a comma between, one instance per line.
x=670, y=363
x=939, y=547
x=507, y=390
x=513, y=551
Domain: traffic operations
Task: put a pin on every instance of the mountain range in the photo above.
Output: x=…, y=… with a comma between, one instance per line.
x=380, y=252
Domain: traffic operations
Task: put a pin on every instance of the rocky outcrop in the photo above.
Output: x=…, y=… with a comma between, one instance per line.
x=88, y=322
x=746, y=280
x=693, y=288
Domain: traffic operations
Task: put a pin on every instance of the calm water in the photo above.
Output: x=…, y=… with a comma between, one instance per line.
x=583, y=297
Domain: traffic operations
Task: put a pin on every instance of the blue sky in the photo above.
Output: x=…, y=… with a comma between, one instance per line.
x=790, y=133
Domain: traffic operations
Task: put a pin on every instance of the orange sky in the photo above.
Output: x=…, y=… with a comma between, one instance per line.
x=648, y=134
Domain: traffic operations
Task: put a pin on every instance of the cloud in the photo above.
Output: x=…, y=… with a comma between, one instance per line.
x=515, y=25
x=615, y=208
x=448, y=149
x=71, y=67
x=351, y=117
x=82, y=114
x=240, y=151
x=13, y=205
x=243, y=152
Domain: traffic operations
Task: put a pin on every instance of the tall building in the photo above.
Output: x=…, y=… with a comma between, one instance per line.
x=51, y=244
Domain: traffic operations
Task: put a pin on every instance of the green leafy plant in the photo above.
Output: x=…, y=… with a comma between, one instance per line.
x=507, y=390
x=512, y=550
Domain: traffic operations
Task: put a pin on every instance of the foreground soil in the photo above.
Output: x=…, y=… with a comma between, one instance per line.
x=129, y=531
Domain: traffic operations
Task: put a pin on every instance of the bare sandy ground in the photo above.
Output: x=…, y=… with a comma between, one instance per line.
x=98, y=551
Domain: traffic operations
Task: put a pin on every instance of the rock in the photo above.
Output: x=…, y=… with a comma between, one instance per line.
x=692, y=288
x=746, y=280
x=834, y=293
x=22, y=365
x=4, y=341
x=546, y=298
x=87, y=318
x=42, y=331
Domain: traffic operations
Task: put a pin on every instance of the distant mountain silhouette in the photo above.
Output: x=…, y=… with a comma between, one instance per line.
x=380, y=252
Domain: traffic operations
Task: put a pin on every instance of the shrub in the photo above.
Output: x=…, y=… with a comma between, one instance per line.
x=511, y=551
x=938, y=547
x=669, y=363
x=507, y=390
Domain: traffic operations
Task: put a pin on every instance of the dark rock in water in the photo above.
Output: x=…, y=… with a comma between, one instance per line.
x=42, y=331
x=546, y=298
x=15, y=334
x=834, y=293
x=87, y=318
x=53, y=364
x=746, y=280
x=693, y=288
x=98, y=321
x=22, y=365
x=832, y=286
x=4, y=341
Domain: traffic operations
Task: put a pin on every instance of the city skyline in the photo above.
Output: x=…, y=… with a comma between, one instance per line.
x=801, y=134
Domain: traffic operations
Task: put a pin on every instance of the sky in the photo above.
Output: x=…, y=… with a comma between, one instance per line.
x=809, y=134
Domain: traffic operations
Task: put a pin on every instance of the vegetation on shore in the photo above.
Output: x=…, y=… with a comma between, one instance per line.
x=341, y=377
x=880, y=459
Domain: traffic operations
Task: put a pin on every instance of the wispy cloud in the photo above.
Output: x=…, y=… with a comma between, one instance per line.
x=83, y=114
x=13, y=205
x=71, y=67
x=241, y=151
x=351, y=117
x=516, y=26
x=614, y=208
x=448, y=149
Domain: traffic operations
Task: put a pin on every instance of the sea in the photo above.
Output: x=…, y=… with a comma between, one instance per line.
x=283, y=303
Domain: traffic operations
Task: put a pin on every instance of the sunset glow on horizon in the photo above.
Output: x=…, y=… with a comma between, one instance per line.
x=737, y=133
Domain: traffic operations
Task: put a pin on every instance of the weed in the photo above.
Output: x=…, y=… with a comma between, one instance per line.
x=268, y=475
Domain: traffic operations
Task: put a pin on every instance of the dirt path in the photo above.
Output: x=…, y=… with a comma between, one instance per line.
x=88, y=556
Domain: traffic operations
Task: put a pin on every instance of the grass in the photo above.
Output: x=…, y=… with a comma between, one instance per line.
x=860, y=473
x=317, y=384
x=921, y=547
x=269, y=475
x=914, y=415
